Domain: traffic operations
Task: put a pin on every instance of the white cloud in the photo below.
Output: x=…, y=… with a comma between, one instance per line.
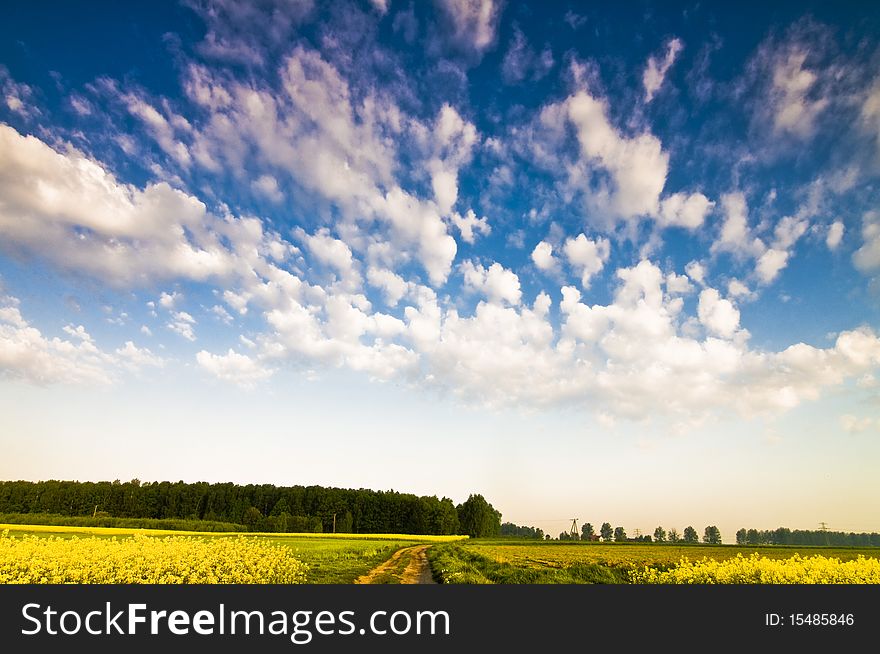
x=468, y=225
x=342, y=147
x=788, y=231
x=18, y=97
x=169, y=300
x=380, y=5
x=67, y=208
x=794, y=111
x=688, y=211
x=870, y=113
x=182, y=323
x=267, y=186
x=233, y=367
x=163, y=131
x=334, y=253
x=696, y=271
x=473, y=23
x=835, y=235
x=737, y=289
x=867, y=257
x=736, y=236
x=655, y=71
x=496, y=283
x=394, y=286
x=452, y=143
x=637, y=166
x=586, y=256
x=26, y=354
x=717, y=314
x=543, y=257
x=770, y=264
x=678, y=284
x=134, y=358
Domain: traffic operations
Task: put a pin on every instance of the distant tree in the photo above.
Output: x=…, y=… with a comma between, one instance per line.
x=564, y=535
x=587, y=531
x=752, y=537
x=477, y=518
x=742, y=536
x=712, y=535
x=606, y=531
x=673, y=535
x=660, y=534
x=690, y=535
x=547, y=537
x=252, y=518
x=619, y=534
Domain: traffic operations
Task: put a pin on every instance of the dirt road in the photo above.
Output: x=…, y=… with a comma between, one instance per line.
x=406, y=566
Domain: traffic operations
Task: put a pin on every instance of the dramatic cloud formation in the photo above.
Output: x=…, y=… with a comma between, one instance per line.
x=364, y=193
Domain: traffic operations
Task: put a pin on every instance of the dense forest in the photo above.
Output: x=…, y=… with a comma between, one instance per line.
x=263, y=507
x=785, y=536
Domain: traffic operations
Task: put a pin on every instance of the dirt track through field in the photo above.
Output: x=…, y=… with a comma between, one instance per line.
x=406, y=566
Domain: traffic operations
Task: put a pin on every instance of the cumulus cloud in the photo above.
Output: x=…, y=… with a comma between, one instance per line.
x=736, y=235
x=637, y=166
x=472, y=24
x=655, y=71
x=341, y=146
x=586, y=256
x=717, y=314
x=66, y=207
x=393, y=286
x=867, y=257
x=794, y=109
x=468, y=225
x=496, y=283
x=233, y=367
x=267, y=186
x=835, y=235
x=543, y=257
x=334, y=253
x=182, y=324
x=688, y=211
x=26, y=354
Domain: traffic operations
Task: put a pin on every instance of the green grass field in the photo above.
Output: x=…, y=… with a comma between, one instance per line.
x=332, y=558
x=546, y=562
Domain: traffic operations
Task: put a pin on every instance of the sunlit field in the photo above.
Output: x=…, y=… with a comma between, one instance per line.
x=325, y=558
x=483, y=561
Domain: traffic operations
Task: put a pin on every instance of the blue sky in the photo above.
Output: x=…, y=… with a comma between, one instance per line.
x=448, y=247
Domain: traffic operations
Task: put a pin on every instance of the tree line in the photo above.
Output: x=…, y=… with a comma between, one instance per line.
x=256, y=507
x=607, y=533
x=785, y=536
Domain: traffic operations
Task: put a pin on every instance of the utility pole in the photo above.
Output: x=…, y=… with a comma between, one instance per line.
x=824, y=529
x=95, y=512
x=574, y=529
x=334, y=523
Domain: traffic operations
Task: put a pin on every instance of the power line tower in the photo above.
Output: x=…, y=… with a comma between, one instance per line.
x=824, y=529
x=573, y=532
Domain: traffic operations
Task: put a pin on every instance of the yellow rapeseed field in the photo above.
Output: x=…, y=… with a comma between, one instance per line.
x=146, y=560
x=757, y=569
